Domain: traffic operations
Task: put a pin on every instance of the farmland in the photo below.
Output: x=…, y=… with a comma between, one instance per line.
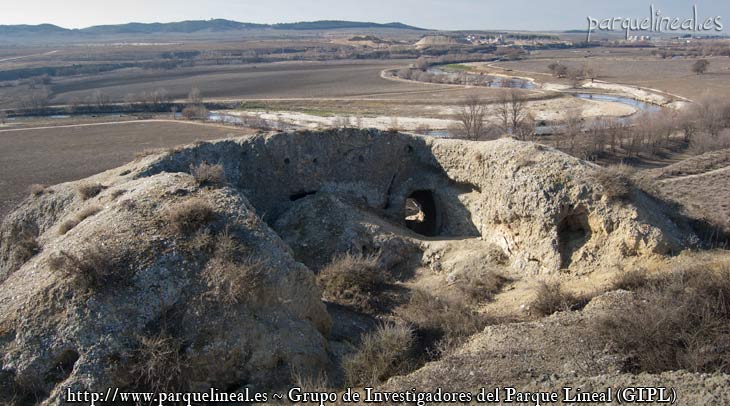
x=635, y=67
x=60, y=154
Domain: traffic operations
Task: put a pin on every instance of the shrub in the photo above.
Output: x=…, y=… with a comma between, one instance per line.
x=151, y=151
x=190, y=215
x=551, y=298
x=682, y=322
x=95, y=268
x=194, y=112
x=352, y=280
x=202, y=241
x=89, y=190
x=37, y=189
x=481, y=285
x=449, y=321
x=206, y=174
x=422, y=129
x=24, y=242
x=615, y=181
x=226, y=246
x=631, y=280
x=235, y=282
x=382, y=354
x=118, y=193
x=69, y=224
x=158, y=364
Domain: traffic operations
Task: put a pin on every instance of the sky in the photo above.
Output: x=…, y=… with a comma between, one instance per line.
x=437, y=14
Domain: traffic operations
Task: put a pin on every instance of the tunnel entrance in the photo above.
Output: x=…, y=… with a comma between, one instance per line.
x=574, y=231
x=420, y=213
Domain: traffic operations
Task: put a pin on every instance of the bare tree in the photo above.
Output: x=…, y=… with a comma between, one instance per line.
x=558, y=70
x=700, y=66
x=422, y=63
x=100, y=99
x=194, y=97
x=36, y=100
x=159, y=96
x=342, y=122
x=575, y=77
x=471, y=117
x=615, y=131
x=573, y=126
x=710, y=113
x=589, y=72
x=193, y=112
x=394, y=125
x=512, y=111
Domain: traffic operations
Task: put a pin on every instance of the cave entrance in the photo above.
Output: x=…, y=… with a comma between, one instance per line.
x=574, y=231
x=420, y=213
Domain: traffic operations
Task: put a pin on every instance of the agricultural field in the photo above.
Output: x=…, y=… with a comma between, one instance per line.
x=58, y=154
x=635, y=67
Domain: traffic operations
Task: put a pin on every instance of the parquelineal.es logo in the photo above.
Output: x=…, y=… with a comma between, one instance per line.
x=656, y=23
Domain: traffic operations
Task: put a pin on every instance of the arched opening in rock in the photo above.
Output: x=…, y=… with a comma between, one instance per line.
x=420, y=213
x=573, y=232
x=63, y=366
x=301, y=195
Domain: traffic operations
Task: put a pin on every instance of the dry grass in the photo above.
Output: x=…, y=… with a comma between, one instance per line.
x=481, y=285
x=682, y=322
x=118, y=193
x=151, y=151
x=89, y=190
x=448, y=321
x=69, y=224
x=235, y=282
x=37, y=189
x=190, y=215
x=551, y=297
x=615, y=181
x=383, y=353
x=352, y=280
x=202, y=241
x=631, y=280
x=158, y=364
x=95, y=268
x=227, y=247
x=208, y=175
x=24, y=241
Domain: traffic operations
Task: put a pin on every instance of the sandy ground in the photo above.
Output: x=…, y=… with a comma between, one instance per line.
x=631, y=91
x=548, y=110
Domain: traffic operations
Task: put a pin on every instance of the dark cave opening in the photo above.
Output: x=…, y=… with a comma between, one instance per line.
x=574, y=231
x=421, y=214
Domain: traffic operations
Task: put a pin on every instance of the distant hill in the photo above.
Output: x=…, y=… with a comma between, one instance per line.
x=335, y=24
x=180, y=27
x=188, y=27
x=47, y=29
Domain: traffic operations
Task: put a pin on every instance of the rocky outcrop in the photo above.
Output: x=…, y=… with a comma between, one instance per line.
x=56, y=328
x=289, y=198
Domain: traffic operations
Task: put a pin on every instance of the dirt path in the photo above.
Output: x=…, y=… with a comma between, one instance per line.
x=15, y=58
x=696, y=175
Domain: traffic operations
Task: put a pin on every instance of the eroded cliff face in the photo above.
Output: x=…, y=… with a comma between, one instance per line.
x=290, y=200
x=542, y=206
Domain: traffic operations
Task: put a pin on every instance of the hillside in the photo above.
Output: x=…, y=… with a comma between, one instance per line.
x=212, y=276
x=188, y=27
